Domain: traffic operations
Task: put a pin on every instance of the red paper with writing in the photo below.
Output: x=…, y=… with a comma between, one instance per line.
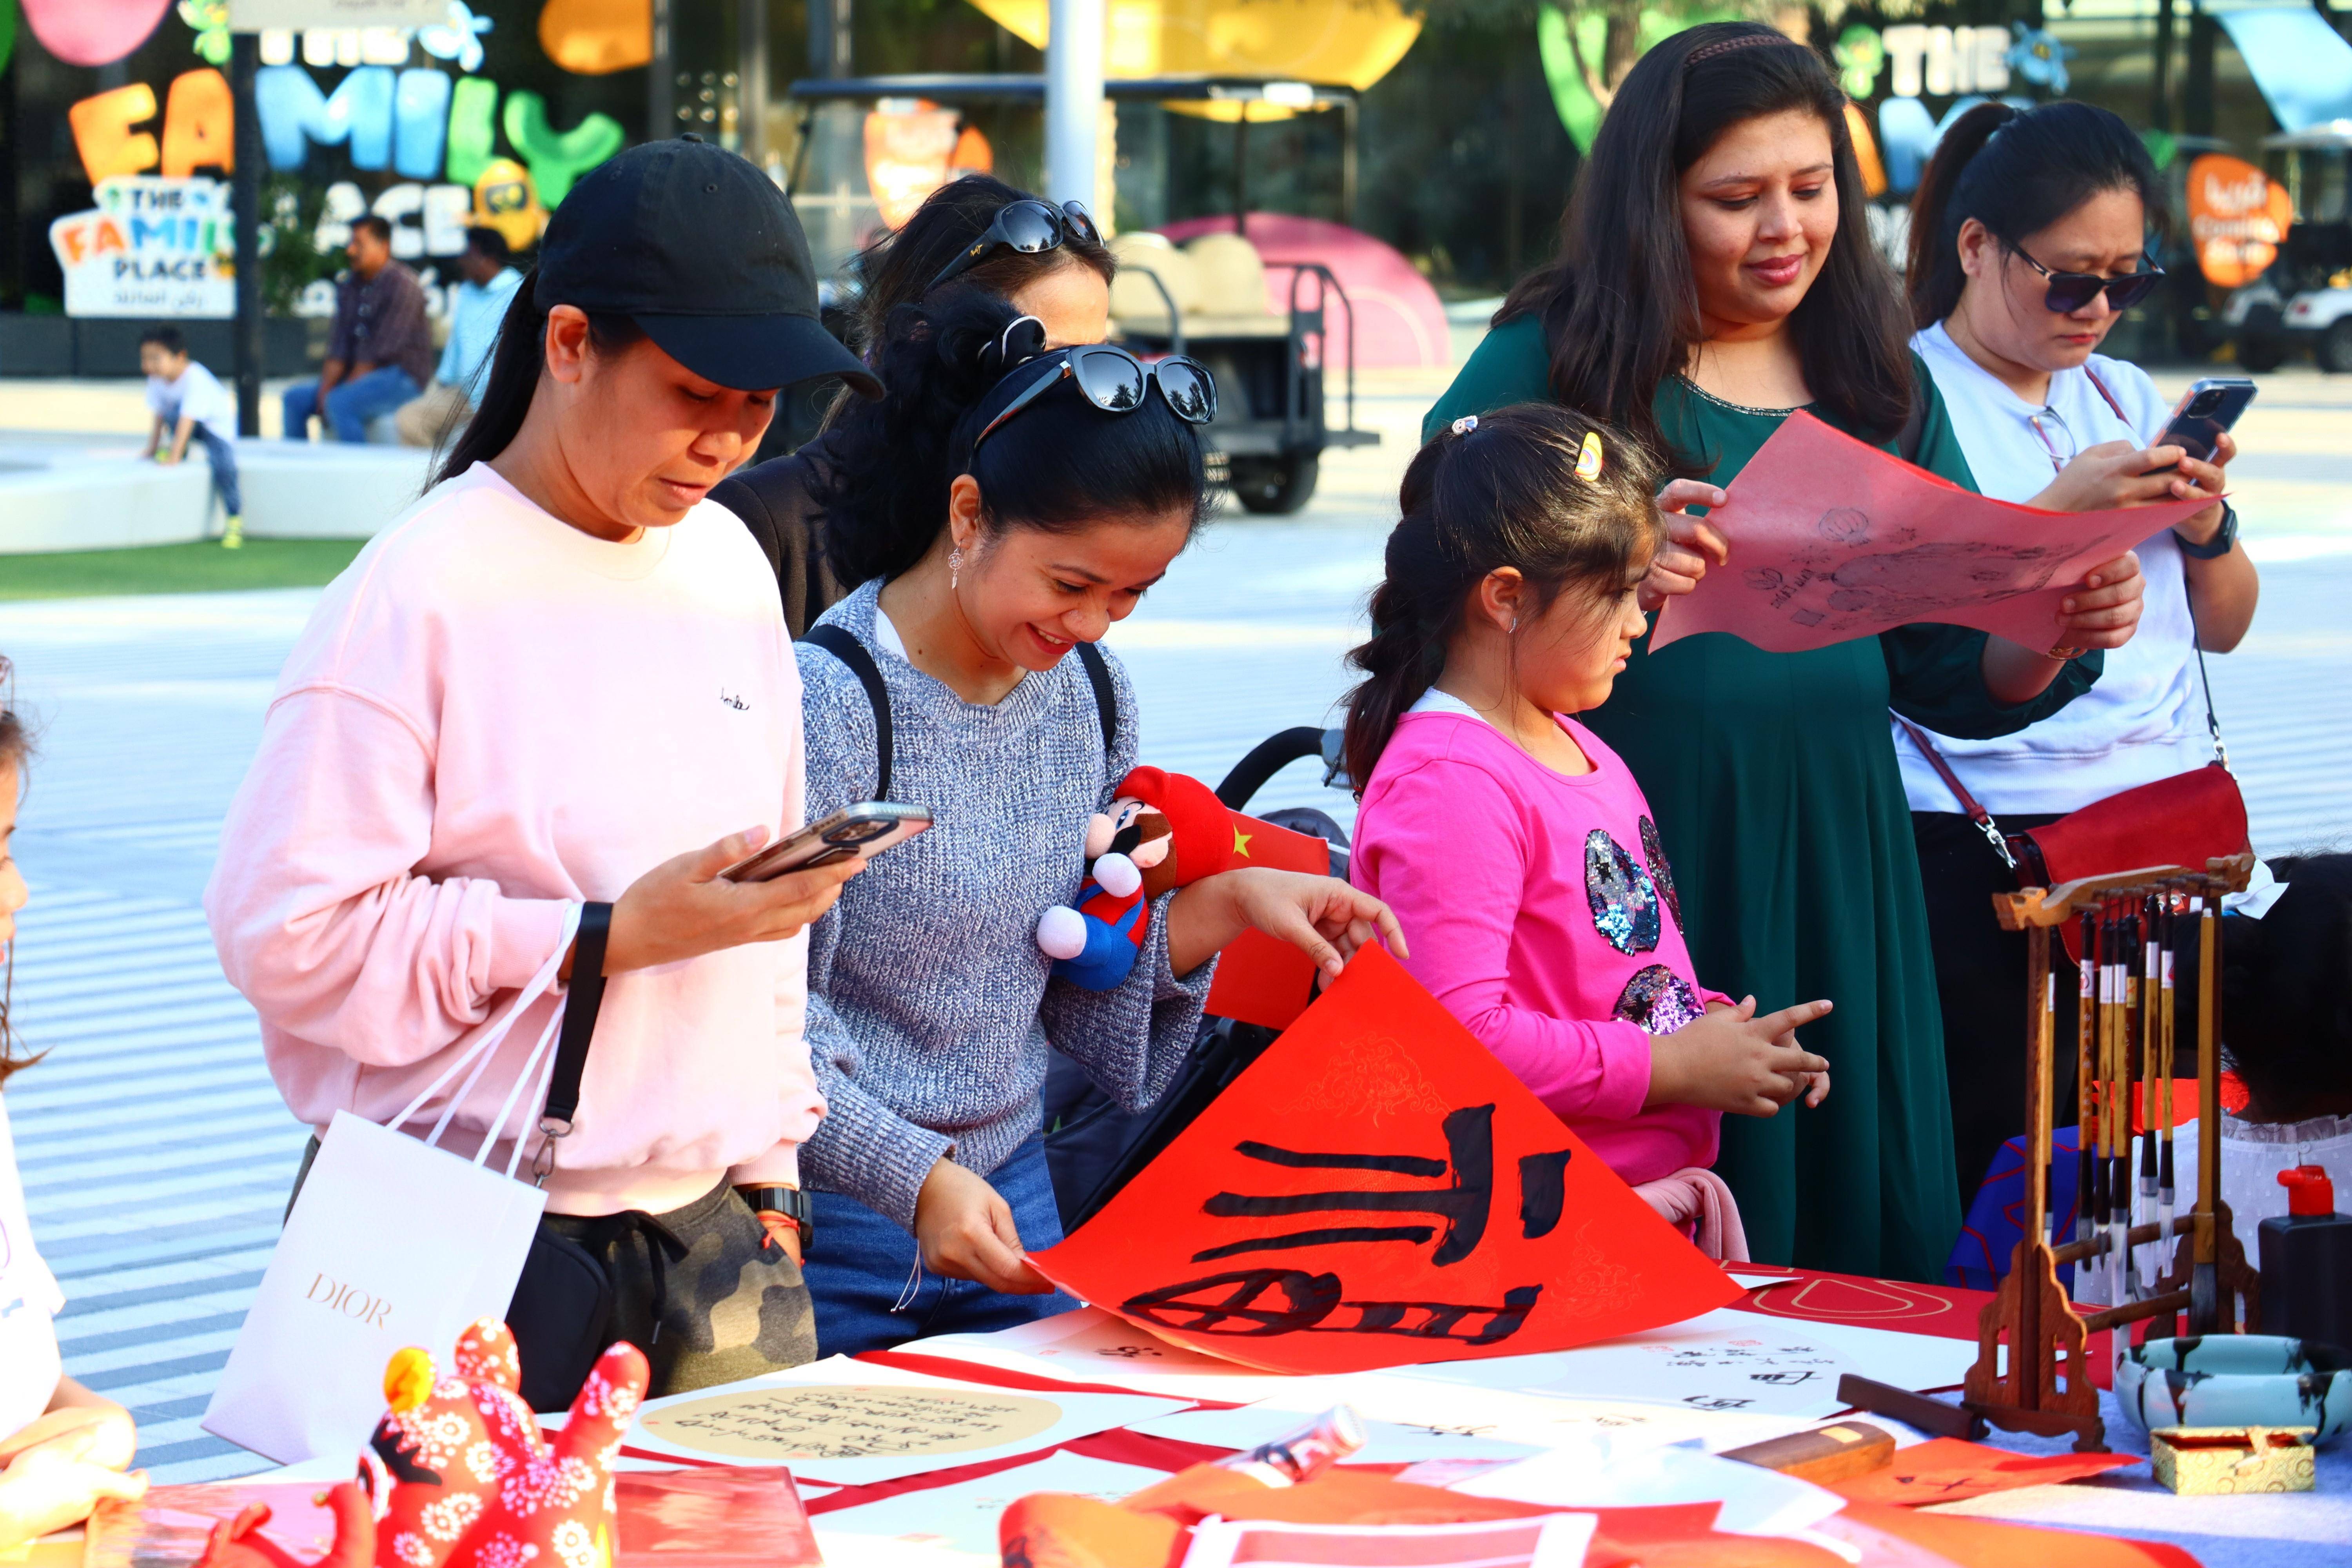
x=1946, y=1469
x=1376, y=1190
x=1260, y=980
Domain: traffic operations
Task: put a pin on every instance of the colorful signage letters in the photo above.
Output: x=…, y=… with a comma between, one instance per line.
x=152, y=246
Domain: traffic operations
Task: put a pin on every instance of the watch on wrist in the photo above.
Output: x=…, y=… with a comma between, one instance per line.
x=2224, y=538
x=790, y=1202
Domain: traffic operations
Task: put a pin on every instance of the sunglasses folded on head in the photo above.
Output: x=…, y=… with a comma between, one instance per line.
x=2071, y=292
x=1115, y=381
x=1028, y=227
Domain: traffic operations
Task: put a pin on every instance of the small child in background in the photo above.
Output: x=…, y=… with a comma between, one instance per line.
x=1516, y=848
x=188, y=401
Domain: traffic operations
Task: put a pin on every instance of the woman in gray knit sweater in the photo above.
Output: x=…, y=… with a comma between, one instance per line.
x=983, y=564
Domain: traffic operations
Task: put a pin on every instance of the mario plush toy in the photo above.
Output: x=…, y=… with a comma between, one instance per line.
x=1163, y=831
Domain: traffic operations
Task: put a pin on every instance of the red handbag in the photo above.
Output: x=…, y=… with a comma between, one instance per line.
x=2185, y=820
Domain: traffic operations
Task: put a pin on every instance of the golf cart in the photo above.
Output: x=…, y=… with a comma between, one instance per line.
x=2305, y=296
x=1208, y=299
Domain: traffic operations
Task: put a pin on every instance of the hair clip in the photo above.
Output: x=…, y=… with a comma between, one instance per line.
x=1023, y=340
x=1467, y=423
x=1587, y=458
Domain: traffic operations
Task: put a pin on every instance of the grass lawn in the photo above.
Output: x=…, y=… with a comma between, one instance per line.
x=177, y=568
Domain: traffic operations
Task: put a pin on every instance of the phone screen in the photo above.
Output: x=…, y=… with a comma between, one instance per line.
x=2210, y=407
x=862, y=831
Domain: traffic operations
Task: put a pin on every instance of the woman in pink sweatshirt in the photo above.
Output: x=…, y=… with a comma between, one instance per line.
x=562, y=679
x=1514, y=847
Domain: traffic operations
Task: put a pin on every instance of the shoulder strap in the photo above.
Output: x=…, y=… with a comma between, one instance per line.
x=2109, y=398
x=580, y=1004
x=1106, y=695
x=851, y=652
x=1969, y=803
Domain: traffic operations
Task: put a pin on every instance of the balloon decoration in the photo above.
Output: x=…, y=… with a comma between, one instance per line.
x=1349, y=43
x=2237, y=216
x=505, y=200
x=597, y=37
x=557, y=157
x=1568, y=44
x=93, y=32
x=209, y=20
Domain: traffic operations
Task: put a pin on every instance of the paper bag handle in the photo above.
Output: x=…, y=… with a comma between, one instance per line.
x=477, y=1055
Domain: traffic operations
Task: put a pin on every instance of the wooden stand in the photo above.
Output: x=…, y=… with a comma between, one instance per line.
x=2047, y=1388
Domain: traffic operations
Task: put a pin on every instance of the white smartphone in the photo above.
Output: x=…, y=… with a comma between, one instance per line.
x=863, y=830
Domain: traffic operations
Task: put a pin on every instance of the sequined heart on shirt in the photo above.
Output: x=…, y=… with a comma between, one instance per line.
x=1654, y=852
x=1625, y=900
x=1659, y=999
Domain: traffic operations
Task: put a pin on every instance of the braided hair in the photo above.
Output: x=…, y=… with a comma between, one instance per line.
x=1499, y=491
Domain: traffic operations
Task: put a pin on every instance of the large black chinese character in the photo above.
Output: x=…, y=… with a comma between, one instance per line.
x=1463, y=1205
x=1256, y=1304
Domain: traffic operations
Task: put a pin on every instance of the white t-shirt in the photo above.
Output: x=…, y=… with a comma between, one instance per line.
x=29, y=1302
x=197, y=395
x=2145, y=719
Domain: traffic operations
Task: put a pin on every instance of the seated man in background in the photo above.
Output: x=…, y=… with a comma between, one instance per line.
x=381, y=352
x=476, y=307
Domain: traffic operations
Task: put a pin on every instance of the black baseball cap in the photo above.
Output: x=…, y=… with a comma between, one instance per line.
x=700, y=249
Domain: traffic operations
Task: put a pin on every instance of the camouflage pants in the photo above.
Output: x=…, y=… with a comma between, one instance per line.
x=701, y=1290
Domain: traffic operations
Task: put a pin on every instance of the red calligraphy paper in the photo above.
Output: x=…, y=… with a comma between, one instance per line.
x=1260, y=980
x=1376, y=1190
x=1946, y=1469
x=1832, y=540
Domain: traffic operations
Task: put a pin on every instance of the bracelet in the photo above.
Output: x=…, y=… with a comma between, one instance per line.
x=2063, y=654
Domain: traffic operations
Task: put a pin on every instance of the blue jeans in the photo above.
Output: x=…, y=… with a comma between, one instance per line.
x=871, y=1292
x=222, y=454
x=351, y=404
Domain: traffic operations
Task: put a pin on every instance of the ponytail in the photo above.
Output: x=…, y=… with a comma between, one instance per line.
x=2016, y=172
x=1504, y=490
x=513, y=377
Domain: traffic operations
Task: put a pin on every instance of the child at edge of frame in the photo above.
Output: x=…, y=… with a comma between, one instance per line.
x=1516, y=848
x=189, y=403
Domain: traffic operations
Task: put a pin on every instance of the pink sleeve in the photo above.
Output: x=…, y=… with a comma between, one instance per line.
x=320, y=916
x=804, y=1102
x=1448, y=851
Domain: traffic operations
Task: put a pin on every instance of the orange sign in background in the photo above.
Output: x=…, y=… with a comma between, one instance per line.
x=2237, y=216
x=1376, y=1190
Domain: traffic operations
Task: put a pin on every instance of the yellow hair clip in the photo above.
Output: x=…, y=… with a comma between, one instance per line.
x=1587, y=458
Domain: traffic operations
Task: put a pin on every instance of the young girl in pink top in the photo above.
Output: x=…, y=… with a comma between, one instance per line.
x=1517, y=850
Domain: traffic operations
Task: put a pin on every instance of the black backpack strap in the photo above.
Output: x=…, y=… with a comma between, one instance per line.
x=851, y=652
x=1106, y=694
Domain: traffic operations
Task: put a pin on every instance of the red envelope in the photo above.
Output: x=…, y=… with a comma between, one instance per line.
x=1260, y=980
x=1376, y=1190
x=1946, y=1469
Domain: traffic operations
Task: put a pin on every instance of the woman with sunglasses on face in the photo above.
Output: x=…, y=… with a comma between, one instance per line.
x=1715, y=275
x=2028, y=240
x=1001, y=507
x=1049, y=261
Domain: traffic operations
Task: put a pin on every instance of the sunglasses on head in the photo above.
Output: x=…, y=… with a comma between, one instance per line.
x=1029, y=227
x=1114, y=381
x=2069, y=291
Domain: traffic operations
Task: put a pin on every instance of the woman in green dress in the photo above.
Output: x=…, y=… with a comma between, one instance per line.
x=1717, y=274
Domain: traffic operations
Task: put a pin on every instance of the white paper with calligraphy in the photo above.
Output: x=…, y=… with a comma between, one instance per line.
x=851, y=1423
x=1832, y=540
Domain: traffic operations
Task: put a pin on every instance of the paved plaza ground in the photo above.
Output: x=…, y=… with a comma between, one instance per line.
x=157, y=1155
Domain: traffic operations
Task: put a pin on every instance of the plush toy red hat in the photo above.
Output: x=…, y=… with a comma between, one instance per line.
x=1200, y=827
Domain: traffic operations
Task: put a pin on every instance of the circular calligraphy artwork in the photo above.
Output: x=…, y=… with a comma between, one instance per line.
x=1850, y=1301
x=849, y=1421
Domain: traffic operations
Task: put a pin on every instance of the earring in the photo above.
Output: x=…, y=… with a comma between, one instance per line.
x=955, y=566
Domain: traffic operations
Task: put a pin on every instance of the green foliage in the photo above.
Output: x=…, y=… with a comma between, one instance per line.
x=291, y=258
x=177, y=568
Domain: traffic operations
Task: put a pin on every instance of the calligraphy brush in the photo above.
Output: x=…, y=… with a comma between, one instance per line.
x=2169, y=934
x=2087, y=1023
x=2156, y=1092
x=2119, y=1186
x=2101, y=1161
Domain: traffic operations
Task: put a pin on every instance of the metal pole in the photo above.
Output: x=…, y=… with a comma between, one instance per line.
x=1240, y=169
x=841, y=41
x=1347, y=161
x=661, y=106
x=245, y=201
x=751, y=81
x=1073, y=96
x=2160, y=107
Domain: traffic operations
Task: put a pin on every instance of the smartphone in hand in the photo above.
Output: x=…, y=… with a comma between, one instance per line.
x=863, y=830
x=2211, y=406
